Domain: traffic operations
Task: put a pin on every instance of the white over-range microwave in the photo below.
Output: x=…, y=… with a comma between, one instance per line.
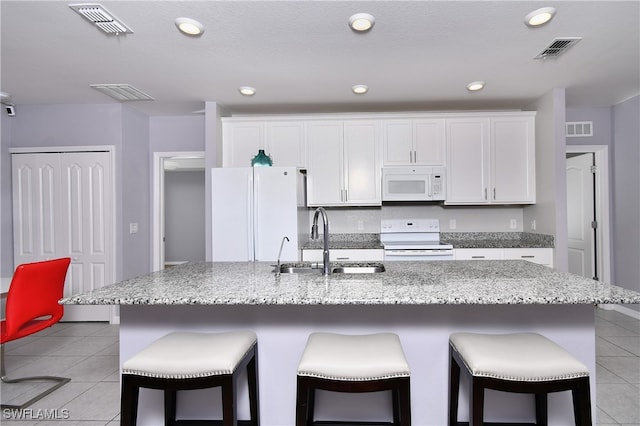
x=413, y=183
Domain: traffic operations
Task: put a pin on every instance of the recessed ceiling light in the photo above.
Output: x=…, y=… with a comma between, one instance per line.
x=360, y=89
x=540, y=16
x=189, y=26
x=361, y=22
x=474, y=86
x=247, y=91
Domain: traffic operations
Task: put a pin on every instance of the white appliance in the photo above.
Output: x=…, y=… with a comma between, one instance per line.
x=253, y=209
x=413, y=239
x=409, y=183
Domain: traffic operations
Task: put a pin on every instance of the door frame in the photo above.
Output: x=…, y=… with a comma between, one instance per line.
x=602, y=206
x=114, y=312
x=157, y=232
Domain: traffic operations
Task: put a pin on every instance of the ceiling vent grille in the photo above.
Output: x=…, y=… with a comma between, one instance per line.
x=122, y=92
x=100, y=17
x=577, y=129
x=557, y=47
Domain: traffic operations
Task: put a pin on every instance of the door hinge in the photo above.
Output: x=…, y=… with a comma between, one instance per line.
x=594, y=224
x=594, y=169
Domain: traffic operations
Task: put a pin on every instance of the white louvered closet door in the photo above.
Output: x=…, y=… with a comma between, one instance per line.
x=63, y=206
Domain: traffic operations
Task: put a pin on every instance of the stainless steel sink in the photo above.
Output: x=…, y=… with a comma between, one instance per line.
x=359, y=269
x=337, y=268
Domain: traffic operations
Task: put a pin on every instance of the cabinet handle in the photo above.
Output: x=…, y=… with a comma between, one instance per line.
x=528, y=256
x=485, y=193
x=477, y=257
x=342, y=258
x=494, y=193
x=346, y=195
x=411, y=156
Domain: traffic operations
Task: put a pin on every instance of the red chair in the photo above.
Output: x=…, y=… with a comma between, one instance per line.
x=32, y=306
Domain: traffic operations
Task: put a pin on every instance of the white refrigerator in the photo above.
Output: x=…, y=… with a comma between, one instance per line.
x=253, y=209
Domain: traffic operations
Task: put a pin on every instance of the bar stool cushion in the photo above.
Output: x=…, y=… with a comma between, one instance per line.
x=353, y=358
x=527, y=357
x=183, y=355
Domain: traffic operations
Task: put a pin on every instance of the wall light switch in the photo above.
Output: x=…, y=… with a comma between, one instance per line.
x=533, y=225
x=452, y=224
x=513, y=224
x=133, y=228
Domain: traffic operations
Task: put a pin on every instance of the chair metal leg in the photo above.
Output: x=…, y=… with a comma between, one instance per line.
x=58, y=382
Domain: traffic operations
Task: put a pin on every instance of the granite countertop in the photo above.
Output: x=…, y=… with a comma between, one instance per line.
x=408, y=283
x=497, y=240
x=346, y=241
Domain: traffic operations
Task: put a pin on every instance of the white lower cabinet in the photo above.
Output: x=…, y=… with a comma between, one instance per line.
x=478, y=254
x=344, y=255
x=542, y=256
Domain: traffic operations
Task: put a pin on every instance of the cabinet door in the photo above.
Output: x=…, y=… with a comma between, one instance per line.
x=240, y=143
x=467, y=161
x=513, y=160
x=397, y=141
x=428, y=136
x=284, y=142
x=324, y=164
x=361, y=163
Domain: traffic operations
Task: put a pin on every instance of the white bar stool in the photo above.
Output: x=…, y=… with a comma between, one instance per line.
x=355, y=364
x=188, y=360
x=521, y=363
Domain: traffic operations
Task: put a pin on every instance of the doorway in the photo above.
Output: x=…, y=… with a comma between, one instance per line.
x=588, y=211
x=178, y=213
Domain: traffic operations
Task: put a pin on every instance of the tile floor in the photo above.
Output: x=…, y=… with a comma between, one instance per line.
x=88, y=353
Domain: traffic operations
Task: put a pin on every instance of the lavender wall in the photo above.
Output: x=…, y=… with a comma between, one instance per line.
x=174, y=134
x=6, y=223
x=602, y=119
x=626, y=195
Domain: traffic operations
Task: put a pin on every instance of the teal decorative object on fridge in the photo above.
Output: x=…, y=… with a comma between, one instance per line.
x=261, y=159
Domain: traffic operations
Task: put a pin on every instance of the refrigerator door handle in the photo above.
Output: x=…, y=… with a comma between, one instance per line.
x=250, y=216
x=256, y=216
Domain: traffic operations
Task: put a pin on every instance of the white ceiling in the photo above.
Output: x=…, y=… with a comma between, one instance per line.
x=302, y=57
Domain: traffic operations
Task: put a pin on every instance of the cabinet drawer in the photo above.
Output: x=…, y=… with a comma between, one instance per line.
x=344, y=255
x=543, y=256
x=478, y=254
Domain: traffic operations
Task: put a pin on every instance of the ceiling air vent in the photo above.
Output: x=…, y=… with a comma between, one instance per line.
x=122, y=92
x=557, y=47
x=100, y=17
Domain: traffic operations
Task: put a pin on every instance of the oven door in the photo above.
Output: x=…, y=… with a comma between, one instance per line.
x=418, y=255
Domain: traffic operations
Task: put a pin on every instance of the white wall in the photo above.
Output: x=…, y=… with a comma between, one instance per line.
x=626, y=195
x=550, y=210
x=468, y=218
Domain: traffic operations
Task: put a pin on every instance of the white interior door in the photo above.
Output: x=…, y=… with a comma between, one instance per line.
x=580, y=215
x=63, y=207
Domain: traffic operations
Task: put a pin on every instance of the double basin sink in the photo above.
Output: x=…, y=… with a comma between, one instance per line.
x=336, y=268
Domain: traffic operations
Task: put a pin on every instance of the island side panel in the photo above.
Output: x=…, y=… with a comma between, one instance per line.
x=424, y=331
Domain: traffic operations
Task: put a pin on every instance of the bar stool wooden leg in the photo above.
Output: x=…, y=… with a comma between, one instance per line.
x=454, y=390
x=541, y=409
x=170, y=400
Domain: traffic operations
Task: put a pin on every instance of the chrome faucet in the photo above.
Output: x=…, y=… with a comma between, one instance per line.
x=314, y=235
x=285, y=238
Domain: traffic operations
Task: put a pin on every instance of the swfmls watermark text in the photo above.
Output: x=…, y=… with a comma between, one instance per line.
x=35, y=414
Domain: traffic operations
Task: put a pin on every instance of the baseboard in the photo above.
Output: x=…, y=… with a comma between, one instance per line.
x=622, y=309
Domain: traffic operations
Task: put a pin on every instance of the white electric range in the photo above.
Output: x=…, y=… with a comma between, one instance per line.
x=413, y=239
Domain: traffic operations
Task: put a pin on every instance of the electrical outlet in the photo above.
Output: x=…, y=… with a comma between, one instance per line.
x=133, y=228
x=360, y=225
x=513, y=224
x=452, y=224
x=533, y=225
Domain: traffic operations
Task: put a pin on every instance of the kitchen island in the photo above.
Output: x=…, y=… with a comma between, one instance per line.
x=422, y=302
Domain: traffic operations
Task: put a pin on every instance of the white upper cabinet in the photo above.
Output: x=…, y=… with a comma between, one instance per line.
x=413, y=142
x=467, y=160
x=513, y=160
x=343, y=163
x=491, y=160
x=283, y=140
